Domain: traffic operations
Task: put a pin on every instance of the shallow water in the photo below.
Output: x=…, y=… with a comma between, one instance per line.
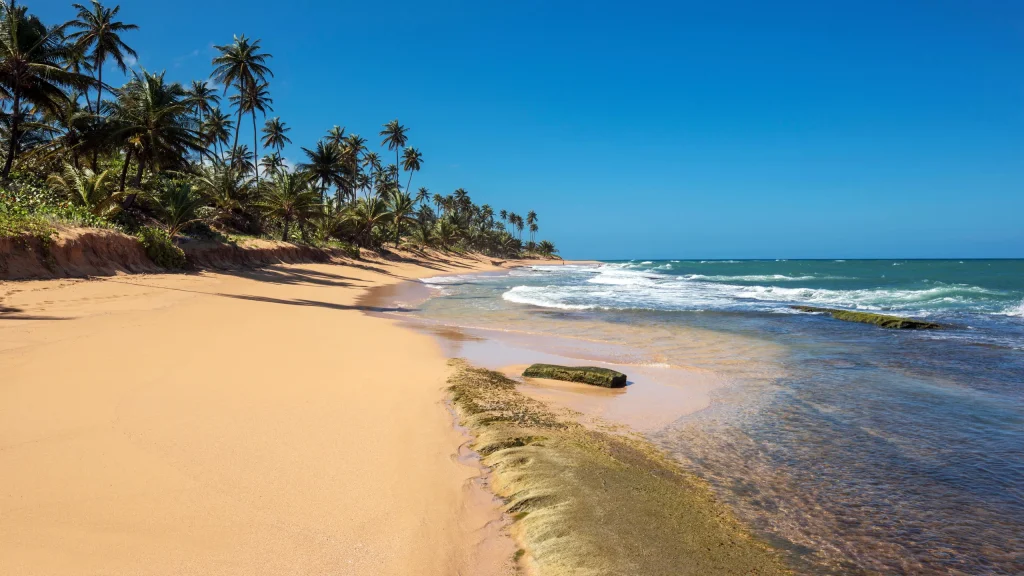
x=854, y=448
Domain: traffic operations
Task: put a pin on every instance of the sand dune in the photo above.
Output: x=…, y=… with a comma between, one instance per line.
x=230, y=423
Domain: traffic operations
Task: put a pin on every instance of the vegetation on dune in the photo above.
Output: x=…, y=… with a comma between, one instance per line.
x=883, y=320
x=156, y=153
x=589, y=502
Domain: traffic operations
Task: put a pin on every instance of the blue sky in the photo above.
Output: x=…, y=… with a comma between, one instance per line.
x=662, y=129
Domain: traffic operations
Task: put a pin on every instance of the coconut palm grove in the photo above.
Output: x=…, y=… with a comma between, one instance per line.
x=171, y=162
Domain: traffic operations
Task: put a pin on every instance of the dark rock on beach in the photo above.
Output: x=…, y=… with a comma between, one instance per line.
x=585, y=374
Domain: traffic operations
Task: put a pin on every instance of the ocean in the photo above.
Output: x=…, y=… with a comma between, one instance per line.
x=853, y=448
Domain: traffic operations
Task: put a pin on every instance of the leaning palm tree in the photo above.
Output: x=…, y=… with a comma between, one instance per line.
x=242, y=66
x=325, y=166
x=32, y=72
x=289, y=198
x=395, y=138
x=412, y=160
x=99, y=32
x=95, y=192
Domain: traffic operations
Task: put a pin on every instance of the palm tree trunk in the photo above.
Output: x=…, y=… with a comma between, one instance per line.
x=287, y=221
x=255, y=150
x=15, y=134
x=409, y=183
x=124, y=169
x=99, y=99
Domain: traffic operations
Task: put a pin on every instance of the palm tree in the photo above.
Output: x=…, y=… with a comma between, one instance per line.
x=32, y=71
x=336, y=135
x=547, y=248
x=95, y=192
x=326, y=166
x=255, y=98
x=225, y=188
x=216, y=130
x=275, y=134
x=438, y=201
x=422, y=195
x=241, y=65
x=401, y=209
x=395, y=138
x=153, y=120
x=272, y=162
x=366, y=214
x=353, y=148
x=504, y=217
x=290, y=198
x=178, y=204
x=371, y=163
x=202, y=98
x=412, y=160
x=533, y=232
x=531, y=221
x=241, y=158
x=98, y=31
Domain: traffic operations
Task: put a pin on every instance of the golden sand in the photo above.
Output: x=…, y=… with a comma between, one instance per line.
x=231, y=423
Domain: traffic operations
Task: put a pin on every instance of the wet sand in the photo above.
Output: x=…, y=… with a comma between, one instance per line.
x=250, y=422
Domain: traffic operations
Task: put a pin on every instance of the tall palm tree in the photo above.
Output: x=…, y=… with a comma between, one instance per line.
x=352, y=150
x=216, y=130
x=99, y=32
x=531, y=221
x=336, y=135
x=325, y=165
x=412, y=160
x=203, y=98
x=275, y=134
x=422, y=195
x=395, y=138
x=32, y=71
x=371, y=163
x=504, y=217
x=290, y=198
x=438, y=201
x=241, y=65
x=533, y=232
x=255, y=98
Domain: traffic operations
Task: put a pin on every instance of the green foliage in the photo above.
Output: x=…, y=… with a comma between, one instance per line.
x=161, y=249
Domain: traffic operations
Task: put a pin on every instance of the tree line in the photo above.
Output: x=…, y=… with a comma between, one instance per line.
x=157, y=152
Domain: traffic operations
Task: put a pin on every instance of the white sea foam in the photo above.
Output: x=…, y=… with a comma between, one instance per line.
x=1015, y=310
x=617, y=287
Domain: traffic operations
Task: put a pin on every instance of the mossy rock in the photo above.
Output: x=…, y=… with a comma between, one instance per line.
x=883, y=320
x=585, y=374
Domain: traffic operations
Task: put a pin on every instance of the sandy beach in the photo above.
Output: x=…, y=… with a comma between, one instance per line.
x=297, y=436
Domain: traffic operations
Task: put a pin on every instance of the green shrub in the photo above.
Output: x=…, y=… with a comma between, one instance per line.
x=161, y=249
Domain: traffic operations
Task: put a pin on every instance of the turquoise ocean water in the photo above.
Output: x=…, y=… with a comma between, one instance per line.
x=855, y=449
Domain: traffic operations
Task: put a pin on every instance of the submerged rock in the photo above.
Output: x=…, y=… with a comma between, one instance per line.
x=883, y=320
x=585, y=374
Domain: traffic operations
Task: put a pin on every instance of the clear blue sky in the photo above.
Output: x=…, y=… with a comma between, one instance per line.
x=663, y=129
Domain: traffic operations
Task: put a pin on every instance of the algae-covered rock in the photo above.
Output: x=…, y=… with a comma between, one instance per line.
x=585, y=374
x=883, y=320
